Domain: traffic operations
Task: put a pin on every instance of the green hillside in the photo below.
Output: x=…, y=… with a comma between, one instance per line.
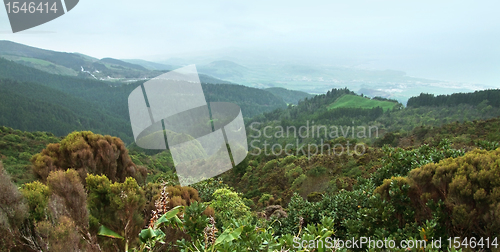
x=253, y=101
x=69, y=60
x=151, y=65
x=354, y=101
x=100, y=107
x=33, y=107
x=349, y=114
x=289, y=96
x=16, y=149
x=73, y=64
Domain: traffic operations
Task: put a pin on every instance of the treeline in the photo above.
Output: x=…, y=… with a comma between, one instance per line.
x=319, y=101
x=385, y=99
x=469, y=133
x=491, y=96
x=407, y=119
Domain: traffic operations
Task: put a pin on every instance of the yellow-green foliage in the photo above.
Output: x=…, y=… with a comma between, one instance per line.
x=37, y=196
x=298, y=181
x=269, y=166
x=228, y=205
x=293, y=171
x=266, y=199
x=314, y=197
x=470, y=189
x=288, y=160
x=383, y=189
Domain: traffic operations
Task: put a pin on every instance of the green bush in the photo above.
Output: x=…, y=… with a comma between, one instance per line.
x=25, y=156
x=399, y=162
x=294, y=172
x=228, y=205
x=487, y=145
x=37, y=196
x=469, y=186
x=270, y=165
x=266, y=199
x=316, y=171
x=117, y=206
x=12, y=138
x=314, y=197
x=287, y=160
x=298, y=181
x=207, y=188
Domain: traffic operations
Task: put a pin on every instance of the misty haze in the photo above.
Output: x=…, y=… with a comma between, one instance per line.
x=249, y=126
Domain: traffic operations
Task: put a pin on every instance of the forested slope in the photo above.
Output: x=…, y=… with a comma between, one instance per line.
x=33, y=107
x=289, y=96
x=106, y=103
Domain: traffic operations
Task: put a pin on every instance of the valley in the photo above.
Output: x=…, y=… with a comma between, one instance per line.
x=333, y=153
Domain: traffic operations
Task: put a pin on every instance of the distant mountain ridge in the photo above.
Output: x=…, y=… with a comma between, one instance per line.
x=83, y=66
x=123, y=63
x=73, y=64
x=151, y=65
x=70, y=60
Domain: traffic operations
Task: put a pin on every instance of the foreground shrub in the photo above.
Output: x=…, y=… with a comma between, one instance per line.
x=228, y=205
x=399, y=162
x=117, y=206
x=13, y=212
x=469, y=186
x=90, y=153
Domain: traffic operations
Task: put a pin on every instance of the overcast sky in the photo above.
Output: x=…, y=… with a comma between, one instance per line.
x=457, y=40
